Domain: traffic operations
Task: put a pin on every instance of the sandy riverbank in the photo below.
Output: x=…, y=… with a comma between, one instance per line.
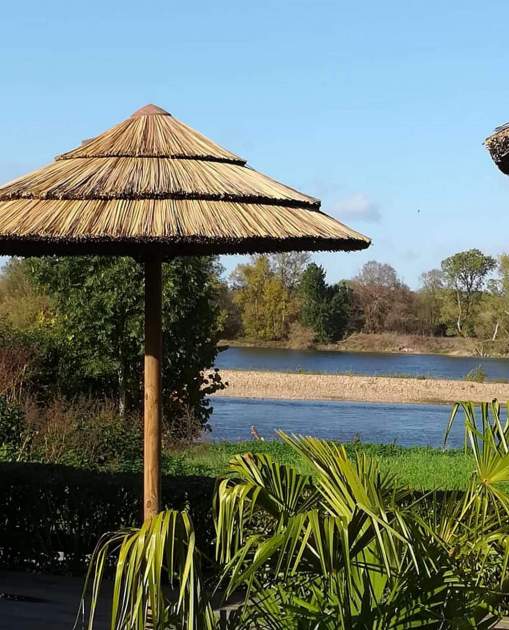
x=390, y=343
x=251, y=384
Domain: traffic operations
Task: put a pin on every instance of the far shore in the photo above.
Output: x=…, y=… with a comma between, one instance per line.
x=388, y=343
x=290, y=386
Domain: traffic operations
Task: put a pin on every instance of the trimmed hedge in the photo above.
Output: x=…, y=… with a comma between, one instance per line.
x=52, y=516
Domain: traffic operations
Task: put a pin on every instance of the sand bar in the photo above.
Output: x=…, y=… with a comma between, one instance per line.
x=253, y=384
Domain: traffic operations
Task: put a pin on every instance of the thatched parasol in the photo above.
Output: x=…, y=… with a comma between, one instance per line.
x=153, y=188
x=498, y=146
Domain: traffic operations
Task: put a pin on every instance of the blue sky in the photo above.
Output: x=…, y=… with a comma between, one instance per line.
x=379, y=109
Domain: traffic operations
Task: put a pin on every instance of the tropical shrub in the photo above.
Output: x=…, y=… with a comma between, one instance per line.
x=345, y=546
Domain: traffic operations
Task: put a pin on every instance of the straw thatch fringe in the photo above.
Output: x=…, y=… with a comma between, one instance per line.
x=166, y=218
x=498, y=146
x=143, y=248
x=155, y=178
x=192, y=197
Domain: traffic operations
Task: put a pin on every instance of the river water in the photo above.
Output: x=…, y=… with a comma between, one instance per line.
x=404, y=424
x=369, y=363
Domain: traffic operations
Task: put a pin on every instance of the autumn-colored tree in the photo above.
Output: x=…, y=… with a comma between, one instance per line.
x=386, y=303
x=22, y=305
x=265, y=303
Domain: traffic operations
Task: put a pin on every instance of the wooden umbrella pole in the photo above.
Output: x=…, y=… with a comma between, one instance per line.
x=152, y=404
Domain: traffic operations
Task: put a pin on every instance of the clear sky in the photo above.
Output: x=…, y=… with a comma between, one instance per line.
x=377, y=108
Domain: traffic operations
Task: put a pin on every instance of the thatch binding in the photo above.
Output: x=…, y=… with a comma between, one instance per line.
x=498, y=146
x=152, y=181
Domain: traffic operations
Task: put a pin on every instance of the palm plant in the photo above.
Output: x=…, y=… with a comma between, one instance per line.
x=342, y=545
x=356, y=550
x=157, y=582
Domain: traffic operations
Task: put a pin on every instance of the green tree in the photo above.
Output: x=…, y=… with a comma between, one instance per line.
x=492, y=319
x=466, y=274
x=230, y=321
x=324, y=308
x=100, y=313
x=431, y=297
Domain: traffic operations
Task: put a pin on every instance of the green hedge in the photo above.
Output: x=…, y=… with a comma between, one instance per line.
x=52, y=516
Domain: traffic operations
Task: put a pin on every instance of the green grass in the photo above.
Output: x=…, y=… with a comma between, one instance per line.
x=417, y=467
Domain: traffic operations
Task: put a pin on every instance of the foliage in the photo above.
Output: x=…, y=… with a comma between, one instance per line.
x=384, y=301
x=84, y=432
x=289, y=267
x=350, y=548
x=91, y=435
x=22, y=305
x=265, y=302
x=90, y=502
x=461, y=298
x=162, y=550
x=99, y=314
x=431, y=302
x=466, y=274
x=492, y=318
x=53, y=515
x=476, y=375
x=343, y=546
x=229, y=318
x=12, y=424
x=325, y=309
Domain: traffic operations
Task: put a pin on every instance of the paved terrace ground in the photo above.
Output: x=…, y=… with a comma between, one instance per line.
x=53, y=603
x=251, y=384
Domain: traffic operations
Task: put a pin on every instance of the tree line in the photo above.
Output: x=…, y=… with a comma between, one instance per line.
x=287, y=297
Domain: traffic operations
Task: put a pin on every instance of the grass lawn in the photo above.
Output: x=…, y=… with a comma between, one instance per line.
x=419, y=468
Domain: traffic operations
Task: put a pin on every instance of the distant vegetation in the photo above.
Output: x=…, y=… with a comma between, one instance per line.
x=285, y=297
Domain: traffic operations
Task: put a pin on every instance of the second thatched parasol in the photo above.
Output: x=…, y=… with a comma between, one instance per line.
x=153, y=188
x=498, y=146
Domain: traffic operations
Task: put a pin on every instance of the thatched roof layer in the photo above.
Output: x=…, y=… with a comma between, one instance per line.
x=152, y=183
x=498, y=146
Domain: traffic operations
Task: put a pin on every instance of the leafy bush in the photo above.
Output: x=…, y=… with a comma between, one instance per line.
x=84, y=433
x=12, y=423
x=98, y=321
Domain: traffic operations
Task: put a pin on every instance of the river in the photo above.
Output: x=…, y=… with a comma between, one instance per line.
x=366, y=363
x=404, y=424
